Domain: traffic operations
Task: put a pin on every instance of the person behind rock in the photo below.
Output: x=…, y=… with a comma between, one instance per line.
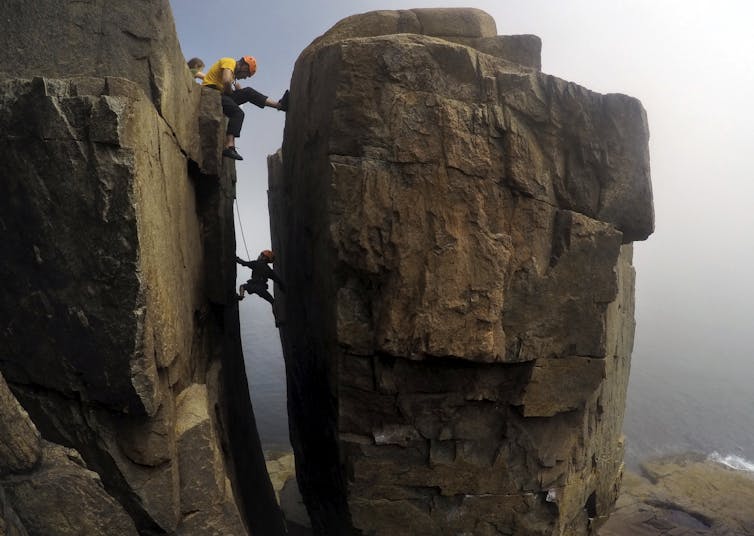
x=260, y=273
x=224, y=76
x=196, y=66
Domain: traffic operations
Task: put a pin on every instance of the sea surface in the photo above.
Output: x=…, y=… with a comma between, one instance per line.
x=265, y=370
x=674, y=405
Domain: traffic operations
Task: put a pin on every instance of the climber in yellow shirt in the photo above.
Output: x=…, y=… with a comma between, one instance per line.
x=224, y=76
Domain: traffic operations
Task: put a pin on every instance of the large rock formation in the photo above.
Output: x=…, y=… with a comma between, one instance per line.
x=120, y=324
x=455, y=231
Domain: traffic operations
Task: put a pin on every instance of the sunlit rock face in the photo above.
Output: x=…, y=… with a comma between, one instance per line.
x=119, y=334
x=455, y=231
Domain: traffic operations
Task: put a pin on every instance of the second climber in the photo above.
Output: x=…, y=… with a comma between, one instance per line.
x=260, y=273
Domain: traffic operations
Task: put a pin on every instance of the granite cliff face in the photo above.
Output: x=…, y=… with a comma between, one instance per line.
x=455, y=229
x=126, y=408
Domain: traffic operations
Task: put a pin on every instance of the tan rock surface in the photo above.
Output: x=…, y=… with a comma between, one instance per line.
x=471, y=27
x=282, y=469
x=63, y=498
x=455, y=232
x=21, y=444
x=202, y=475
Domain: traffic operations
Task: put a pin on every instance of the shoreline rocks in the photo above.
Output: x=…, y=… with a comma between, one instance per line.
x=455, y=231
x=686, y=494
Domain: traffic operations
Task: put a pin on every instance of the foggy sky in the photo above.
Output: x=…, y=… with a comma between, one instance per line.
x=690, y=64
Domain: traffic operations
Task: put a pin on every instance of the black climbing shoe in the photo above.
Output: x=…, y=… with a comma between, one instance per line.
x=284, y=101
x=230, y=152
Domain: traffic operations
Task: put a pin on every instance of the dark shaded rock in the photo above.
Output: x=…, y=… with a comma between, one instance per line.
x=117, y=241
x=98, y=39
x=104, y=230
x=212, y=127
x=560, y=385
x=62, y=497
x=68, y=212
x=10, y=524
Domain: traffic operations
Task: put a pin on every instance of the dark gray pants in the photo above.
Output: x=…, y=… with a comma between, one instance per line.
x=232, y=107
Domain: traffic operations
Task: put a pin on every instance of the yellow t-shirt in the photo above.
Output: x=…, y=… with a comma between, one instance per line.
x=214, y=77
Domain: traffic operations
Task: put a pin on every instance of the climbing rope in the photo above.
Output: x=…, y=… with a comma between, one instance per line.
x=240, y=226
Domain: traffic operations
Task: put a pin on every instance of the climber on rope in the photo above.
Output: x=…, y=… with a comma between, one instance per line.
x=260, y=273
x=223, y=76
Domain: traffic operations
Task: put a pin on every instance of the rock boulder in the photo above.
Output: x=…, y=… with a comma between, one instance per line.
x=454, y=228
x=62, y=497
x=22, y=444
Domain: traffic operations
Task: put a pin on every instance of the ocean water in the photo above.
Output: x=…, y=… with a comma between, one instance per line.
x=265, y=370
x=677, y=404
x=674, y=405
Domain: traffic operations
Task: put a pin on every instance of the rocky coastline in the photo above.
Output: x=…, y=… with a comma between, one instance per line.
x=686, y=494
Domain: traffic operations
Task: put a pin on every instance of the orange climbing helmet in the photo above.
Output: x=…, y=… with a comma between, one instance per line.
x=252, y=63
x=267, y=255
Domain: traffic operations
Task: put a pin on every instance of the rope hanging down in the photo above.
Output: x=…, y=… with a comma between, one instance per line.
x=240, y=226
